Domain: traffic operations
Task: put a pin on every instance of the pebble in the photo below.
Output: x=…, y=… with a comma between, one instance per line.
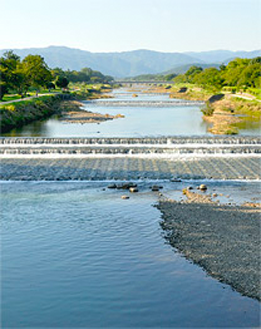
x=155, y=188
x=125, y=197
x=133, y=189
x=203, y=187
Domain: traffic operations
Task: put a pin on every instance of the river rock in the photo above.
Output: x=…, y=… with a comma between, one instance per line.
x=155, y=188
x=126, y=186
x=203, y=187
x=176, y=180
x=189, y=188
x=125, y=197
x=133, y=189
x=214, y=195
x=112, y=186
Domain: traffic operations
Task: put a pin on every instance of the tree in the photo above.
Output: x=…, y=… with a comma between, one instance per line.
x=36, y=71
x=62, y=82
x=210, y=78
x=3, y=89
x=50, y=85
x=10, y=77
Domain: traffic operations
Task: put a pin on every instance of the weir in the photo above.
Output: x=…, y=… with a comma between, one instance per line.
x=164, y=146
x=138, y=103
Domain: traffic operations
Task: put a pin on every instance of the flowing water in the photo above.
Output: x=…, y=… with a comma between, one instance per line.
x=75, y=255
x=151, y=118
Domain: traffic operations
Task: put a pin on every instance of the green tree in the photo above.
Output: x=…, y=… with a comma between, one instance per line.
x=61, y=82
x=36, y=71
x=10, y=77
x=210, y=79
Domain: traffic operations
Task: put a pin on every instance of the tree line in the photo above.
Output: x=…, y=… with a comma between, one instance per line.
x=240, y=73
x=19, y=76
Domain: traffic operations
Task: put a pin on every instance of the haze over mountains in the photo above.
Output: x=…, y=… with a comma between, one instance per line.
x=131, y=63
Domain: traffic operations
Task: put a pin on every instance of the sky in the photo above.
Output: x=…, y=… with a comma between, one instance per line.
x=122, y=25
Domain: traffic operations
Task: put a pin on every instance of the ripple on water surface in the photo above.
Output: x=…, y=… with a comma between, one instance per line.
x=74, y=255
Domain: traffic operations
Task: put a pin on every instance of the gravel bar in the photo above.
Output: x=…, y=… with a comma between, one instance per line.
x=224, y=240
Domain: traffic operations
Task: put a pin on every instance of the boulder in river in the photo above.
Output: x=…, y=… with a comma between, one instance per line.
x=133, y=189
x=203, y=187
x=112, y=186
x=125, y=197
x=155, y=188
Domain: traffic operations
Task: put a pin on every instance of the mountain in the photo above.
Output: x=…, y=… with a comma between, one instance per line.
x=116, y=64
x=223, y=56
x=128, y=63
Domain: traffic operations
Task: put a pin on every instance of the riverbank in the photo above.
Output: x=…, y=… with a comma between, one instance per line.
x=20, y=113
x=222, y=239
x=227, y=113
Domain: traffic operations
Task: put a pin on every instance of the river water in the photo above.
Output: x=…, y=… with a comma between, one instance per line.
x=77, y=256
x=138, y=122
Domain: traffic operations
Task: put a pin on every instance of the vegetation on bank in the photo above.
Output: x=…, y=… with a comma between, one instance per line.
x=18, y=77
x=31, y=77
x=226, y=112
x=17, y=114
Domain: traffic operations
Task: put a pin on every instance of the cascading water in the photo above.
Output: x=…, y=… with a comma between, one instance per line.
x=131, y=146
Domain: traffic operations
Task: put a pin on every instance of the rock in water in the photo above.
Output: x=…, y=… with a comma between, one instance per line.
x=203, y=187
x=133, y=189
x=112, y=186
x=125, y=197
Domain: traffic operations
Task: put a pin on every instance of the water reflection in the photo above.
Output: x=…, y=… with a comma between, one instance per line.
x=138, y=122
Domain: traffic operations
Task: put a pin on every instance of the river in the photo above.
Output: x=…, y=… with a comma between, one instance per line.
x=139, y=121
x=77, y=256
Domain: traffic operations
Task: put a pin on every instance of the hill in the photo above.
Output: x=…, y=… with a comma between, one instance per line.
x=128, y=63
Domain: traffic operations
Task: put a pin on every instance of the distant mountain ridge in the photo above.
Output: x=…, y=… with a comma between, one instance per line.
x=129, y=63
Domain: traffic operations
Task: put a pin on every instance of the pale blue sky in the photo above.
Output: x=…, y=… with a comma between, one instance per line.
x=120, y=25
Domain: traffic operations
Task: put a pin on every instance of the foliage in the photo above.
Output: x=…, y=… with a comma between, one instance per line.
x=240, y=73
x=207, y=109
x=86, y=75
x=36, y=71
x=61, y=81
x=17, y=76
x=32, y=73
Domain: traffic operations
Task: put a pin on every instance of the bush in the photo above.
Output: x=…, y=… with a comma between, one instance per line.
x=207, y=109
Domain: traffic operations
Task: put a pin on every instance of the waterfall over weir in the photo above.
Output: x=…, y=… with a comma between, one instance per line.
x=141, y=103
x=165, y=146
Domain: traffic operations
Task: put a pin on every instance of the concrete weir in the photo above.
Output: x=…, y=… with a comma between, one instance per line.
x=130, y=158
x=142, y=103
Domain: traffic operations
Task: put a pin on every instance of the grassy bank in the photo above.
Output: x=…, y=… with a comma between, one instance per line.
x=226, y=115
x=18, y=114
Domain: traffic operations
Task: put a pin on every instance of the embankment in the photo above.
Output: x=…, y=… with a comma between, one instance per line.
x=227, y=114
x=18, y=114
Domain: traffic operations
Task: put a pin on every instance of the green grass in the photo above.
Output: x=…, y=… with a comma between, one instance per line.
x=29, y=101
x=8, y=98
